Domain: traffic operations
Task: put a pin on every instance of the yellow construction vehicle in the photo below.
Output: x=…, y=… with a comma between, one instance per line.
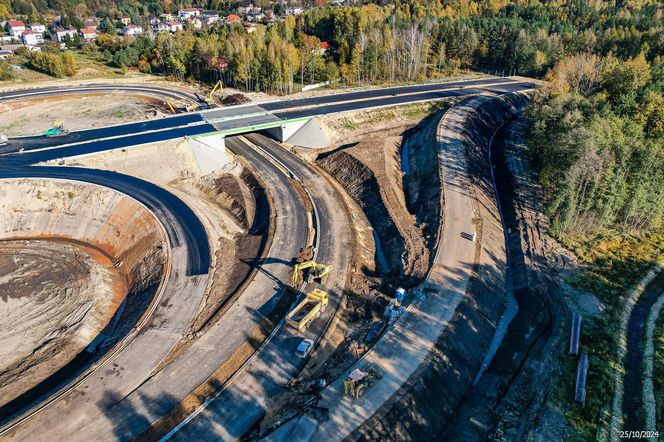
x=176, y=106
x=209, y=100
x=168, y=103
x=358, y=381
x=309, y=309
x=316, y=271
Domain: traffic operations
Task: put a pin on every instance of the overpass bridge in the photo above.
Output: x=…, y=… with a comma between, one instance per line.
x=283, y=119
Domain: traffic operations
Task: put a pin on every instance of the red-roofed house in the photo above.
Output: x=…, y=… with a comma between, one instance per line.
x=32, y=38
x=88, y=34
x=16, y=28
x=322, y=48
x=232, y=18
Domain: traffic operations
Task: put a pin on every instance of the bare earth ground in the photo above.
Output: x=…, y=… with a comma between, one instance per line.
x=56, y=296
x=33, y=117
x=171, y=165
x=365, y=158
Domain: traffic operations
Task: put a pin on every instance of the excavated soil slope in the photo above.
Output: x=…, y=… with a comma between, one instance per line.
x=370, y=173
x=423, y=408
x=72, y=256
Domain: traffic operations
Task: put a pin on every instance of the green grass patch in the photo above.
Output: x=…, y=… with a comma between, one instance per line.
x=612, y=264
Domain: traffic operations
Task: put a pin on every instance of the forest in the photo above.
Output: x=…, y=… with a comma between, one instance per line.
x=597, y=137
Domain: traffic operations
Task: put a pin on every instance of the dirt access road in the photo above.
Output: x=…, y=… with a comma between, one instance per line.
x=400, y=352
x=275, y=364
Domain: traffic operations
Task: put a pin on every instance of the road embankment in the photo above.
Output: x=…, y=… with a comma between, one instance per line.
x=425, y=405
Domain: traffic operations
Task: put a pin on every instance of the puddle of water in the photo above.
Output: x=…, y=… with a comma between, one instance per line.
x=405, y=165
x=381, y=262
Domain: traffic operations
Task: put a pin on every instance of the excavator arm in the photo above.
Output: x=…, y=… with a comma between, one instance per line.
x=317, y=270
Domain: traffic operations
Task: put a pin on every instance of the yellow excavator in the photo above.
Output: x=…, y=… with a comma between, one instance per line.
x=316, y=271
x=209, y=100
x=174, y=106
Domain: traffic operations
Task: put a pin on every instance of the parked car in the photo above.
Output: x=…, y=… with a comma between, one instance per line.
x=305, y=347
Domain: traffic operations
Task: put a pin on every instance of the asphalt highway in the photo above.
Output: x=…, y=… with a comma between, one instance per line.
x=132, y=411
x=122, y=402
x=186, y=124
x=275, y=365
x=141, y=89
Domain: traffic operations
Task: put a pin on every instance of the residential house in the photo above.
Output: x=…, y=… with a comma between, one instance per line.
x=36, y=27
x=194, y=22
x=324, y=47
x=256, y=17
x=132, y=30
x=5, y=54
x=210, y=17
x=16, y=28
x=32, y=38
x=243, y=10
x=90, y=24
x=232, y=18
x=152, y=20
x=125, y=20
x=161, y=27
x=294, y=10
x=88, y=34
x=59, y=34
x=184, y=14
x=174, y=26
x=167, y=17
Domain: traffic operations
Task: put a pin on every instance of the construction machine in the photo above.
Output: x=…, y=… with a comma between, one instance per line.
x=307, y=310
x=57, y=130
x=176, y=106
x=316, y=271
x=209, y=100
x=358, y=381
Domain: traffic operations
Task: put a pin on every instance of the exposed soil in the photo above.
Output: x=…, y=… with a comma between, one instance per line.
x=56, y=298
x=370, y=173
x=234, y=99
x=514, y=389
x=81, y=263
x=424, y=407
x=236, y=259
x=78, y=112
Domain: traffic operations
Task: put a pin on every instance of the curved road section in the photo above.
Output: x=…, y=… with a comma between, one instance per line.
x=126, y=397
x=136, y=89
x=400, y=352
x=130, y=362
x=275, y=365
